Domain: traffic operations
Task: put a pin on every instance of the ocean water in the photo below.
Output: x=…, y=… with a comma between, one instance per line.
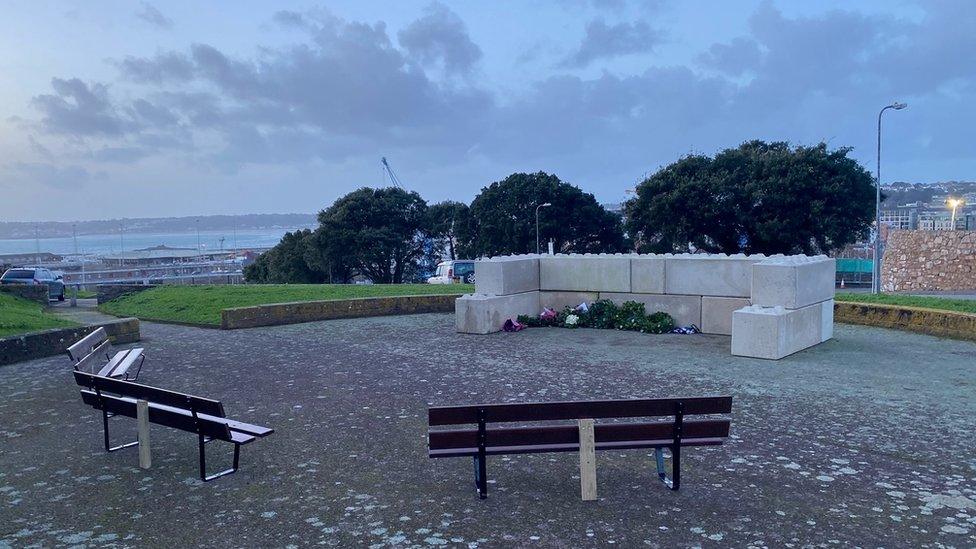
x=112, y=243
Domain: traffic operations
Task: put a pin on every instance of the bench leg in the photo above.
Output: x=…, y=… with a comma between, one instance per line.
x=108, y=446
x=480, y=475
x=674, y=481
x=142, y=360
x=203, y=461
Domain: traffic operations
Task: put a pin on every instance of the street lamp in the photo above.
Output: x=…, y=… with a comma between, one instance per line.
x=543, y=205
x=876, y=278
x=954, y=203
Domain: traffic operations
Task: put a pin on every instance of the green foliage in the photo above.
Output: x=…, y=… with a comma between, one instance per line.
x=20, y=316
x=444, y=222
x=503, y=219
x=286, y=262
x=756, y=198
x=926, y=302
x=202, y=304
x=605, y=314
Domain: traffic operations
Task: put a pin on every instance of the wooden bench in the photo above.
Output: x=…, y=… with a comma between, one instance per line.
x=481, y=441
x=203, y=416
x=87, y=354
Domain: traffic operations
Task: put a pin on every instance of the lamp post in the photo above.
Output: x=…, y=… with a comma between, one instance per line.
x=954, y=203
x=876, y=278
x=543, y=205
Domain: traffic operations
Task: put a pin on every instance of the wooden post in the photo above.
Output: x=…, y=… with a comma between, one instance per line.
x=142, y=419
x=587, y=452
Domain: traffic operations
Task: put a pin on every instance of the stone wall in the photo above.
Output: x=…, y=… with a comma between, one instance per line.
x=108, y=292
x=929, y=261
x=56, y=341
x=310, y=311
x=31, y=292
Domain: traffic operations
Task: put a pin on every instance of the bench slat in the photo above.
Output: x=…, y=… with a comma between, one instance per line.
x=97, y=355
x=599, y=409
x=547, y=448
x=120, y=363
x=569, y=434
x=160, y=416
x=84, y=346
x=152, y=394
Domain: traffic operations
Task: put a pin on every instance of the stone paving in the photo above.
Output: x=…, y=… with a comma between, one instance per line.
x=865, y=440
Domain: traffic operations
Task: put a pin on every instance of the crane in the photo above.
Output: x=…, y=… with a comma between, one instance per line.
x=389, y=171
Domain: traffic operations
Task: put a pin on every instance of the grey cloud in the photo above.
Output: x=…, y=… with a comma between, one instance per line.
x=77, y=108
x=163, y=67
x=440, y=36
x=51, y=175
x=735, y=58
x=606, y=41
x=123, y=155
x=154, y=17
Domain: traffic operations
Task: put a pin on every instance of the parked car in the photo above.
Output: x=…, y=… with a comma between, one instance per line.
x=36, y=275
x=452, y=272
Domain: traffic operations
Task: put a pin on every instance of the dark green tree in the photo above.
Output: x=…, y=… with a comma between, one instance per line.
x=756, y=198
x=286, y=262
x=444, y=222
x=502, y=218
x=382, y=231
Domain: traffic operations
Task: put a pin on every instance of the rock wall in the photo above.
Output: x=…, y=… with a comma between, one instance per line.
x=56, y=341
x=108, y=292
x=929, y=261
x=29, y=292
x=311, y=311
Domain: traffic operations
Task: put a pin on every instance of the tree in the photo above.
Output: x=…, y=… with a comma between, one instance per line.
x=286, y=262
x=444, y=222
x=503, y=218
x=382, y=231
x=756, y=198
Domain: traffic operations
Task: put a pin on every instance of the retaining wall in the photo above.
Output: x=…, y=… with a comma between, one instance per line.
x=929, y=261
x=912, y=319
x=108, y=292
x=56, y=341
x=40, y=294
x=311, y=311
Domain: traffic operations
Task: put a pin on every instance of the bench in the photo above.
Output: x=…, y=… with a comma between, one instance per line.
x=481, y=441
x=87, y=354
x=202, y=416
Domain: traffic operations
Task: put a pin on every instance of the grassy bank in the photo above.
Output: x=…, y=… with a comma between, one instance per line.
x=20, y=316
x=927, y=302
x=202, y=304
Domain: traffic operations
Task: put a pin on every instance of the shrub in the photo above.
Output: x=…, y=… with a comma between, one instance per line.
x=605, y=314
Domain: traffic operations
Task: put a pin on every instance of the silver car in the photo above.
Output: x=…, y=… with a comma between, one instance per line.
x=36, y=276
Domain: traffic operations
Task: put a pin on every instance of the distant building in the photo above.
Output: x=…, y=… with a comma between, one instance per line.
x=164, y=255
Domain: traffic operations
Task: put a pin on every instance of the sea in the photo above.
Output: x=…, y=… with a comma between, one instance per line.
x=98, y=244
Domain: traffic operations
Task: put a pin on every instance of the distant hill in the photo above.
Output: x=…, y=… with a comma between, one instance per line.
x=901, y=192
x=53, y=229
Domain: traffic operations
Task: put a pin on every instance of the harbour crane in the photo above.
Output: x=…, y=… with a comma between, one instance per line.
x=390, y=173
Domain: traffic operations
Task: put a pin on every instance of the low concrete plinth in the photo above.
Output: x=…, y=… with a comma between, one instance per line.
x=585, y=273
x=684, y=309
x=485, y=314
x=714, y=275
x=794, y=281
x=507, y=275
x=561, y=300
x=717, y=313
x=776, y=332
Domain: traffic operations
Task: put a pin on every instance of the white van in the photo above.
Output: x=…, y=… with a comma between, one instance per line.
x=453, y=272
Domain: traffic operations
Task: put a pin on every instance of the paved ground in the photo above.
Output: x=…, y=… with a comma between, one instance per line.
x=85, y=312
x=866, y=440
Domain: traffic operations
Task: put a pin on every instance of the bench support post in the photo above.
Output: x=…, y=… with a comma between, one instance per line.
x=674, y=482
x=481, y=460
x=203, y=461
x=105, y=416
x=142, y=418
x=587, y=457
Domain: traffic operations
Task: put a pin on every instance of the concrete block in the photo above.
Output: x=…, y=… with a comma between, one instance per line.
x=647, y=274
x=585, y=273
x=827, y=320
x=793, y=281
x=507, y=275
x=685, y=309
x=561, y=300
x=710, y=274
x=484, y=314
x=717, y=313
x=776, y=332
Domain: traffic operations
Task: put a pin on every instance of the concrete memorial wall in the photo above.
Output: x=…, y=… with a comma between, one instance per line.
x=771, y=306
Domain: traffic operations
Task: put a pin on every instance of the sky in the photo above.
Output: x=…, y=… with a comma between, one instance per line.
x=113, y=109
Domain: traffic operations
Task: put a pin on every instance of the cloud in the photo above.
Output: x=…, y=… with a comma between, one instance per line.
x=735, y=58
x=154, y=17
x=77, y=108
x=604, y=41
x=440, y=36
x=50, y=175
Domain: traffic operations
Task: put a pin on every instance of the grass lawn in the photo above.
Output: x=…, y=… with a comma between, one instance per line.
x=20, y=316
x=940, y=303
x=202, y=304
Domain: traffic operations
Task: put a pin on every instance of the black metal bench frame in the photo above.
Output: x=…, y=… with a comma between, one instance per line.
x=658, y=435
x=201, y=416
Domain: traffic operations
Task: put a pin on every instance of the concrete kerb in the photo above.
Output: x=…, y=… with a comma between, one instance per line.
x=934, y=322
